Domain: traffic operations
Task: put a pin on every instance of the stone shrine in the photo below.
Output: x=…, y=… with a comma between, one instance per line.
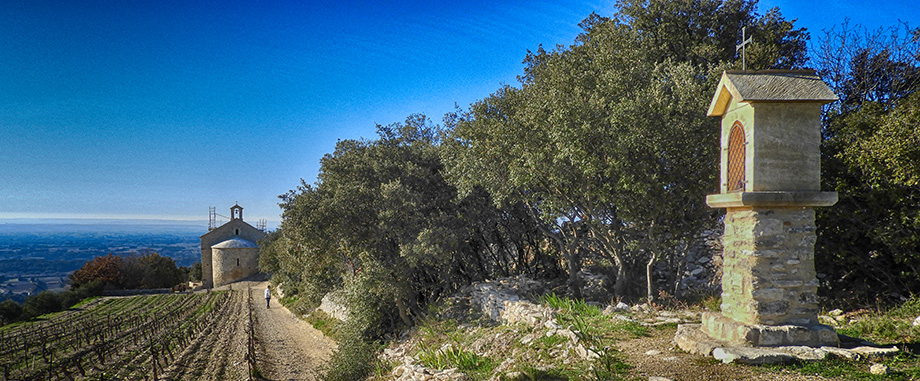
x=769, y=185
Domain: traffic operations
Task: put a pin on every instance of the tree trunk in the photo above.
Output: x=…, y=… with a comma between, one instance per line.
x=649, y=282
x=574, y=282
x=403, y=312
x=619, y=288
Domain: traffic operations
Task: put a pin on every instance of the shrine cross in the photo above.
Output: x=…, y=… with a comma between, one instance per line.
x=742, y=45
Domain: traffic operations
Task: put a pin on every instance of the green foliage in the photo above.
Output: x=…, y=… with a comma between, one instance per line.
x=194, y=273
x=453, y=357
x=712, y=303
x=43, y=303
x=605, y=141
x=705, y=32
x=384, y=226
x=893, y=325
x=9, y=311
x=832, y=368
x=551, y=341
x=867, y=243
x=326, y=324
x=909, y=309
x=355, y=357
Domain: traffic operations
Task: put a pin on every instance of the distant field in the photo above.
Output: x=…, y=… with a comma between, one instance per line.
x=35, y=249
x=39, y=256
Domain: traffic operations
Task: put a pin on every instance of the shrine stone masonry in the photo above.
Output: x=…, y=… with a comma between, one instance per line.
x=769, y=185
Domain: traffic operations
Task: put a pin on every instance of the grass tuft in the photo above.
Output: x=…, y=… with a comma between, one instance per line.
x=453, y=357
x=570, y=306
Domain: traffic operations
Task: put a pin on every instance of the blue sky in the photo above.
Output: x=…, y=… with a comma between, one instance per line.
x=159, y=109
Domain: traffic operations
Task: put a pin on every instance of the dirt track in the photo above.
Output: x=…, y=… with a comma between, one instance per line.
x=288, y=348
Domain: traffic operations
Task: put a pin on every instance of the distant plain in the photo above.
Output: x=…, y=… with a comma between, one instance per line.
x=37, y=255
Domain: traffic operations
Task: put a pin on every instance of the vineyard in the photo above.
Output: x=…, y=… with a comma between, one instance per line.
x=176, y=337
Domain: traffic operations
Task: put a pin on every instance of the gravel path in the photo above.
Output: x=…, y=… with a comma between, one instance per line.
x=288, y=348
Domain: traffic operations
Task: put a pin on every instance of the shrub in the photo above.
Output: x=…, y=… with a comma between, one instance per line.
x=10, y=311
x=43, y=303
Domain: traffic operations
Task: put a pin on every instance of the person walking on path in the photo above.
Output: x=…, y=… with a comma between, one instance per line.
x=268, y=296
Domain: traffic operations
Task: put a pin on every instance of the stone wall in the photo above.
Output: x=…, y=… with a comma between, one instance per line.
x=769, y=274
x=702, y=273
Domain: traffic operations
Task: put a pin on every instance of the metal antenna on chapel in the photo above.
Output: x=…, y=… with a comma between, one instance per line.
x=212, y=218
x=742, y=45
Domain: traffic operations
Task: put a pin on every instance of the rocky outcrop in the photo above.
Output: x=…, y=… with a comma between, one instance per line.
x=332, y=305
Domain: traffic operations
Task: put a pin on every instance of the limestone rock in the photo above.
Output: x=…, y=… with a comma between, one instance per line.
x=874, y=352
x=690, y=338
x=333, y=306
x=653, y=378
x=524, y=312
x=916, y=321
x=585, y=353
x=863, y=352
x=751, y=356
x=619, y=307
x=879, y=369
x=804, y=353
x=827, y=320
x=490, y=296
x=569, y=334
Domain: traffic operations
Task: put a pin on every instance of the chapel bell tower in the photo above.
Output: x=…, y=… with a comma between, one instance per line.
x=236, y=212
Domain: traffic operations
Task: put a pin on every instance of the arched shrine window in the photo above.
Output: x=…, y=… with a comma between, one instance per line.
x=736, y=146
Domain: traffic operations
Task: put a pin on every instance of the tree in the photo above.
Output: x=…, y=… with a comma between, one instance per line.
x=705, y=32
x=194, y=273
x=106, y=269
x=606, y=141
x=40, y=304
x=149, y=270
x=159, y=271
x=867, y=244
x=10, y=311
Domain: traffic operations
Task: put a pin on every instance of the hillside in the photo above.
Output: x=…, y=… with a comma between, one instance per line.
x=512, y=329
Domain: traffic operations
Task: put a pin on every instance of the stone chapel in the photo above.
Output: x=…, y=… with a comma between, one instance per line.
x=229, y=252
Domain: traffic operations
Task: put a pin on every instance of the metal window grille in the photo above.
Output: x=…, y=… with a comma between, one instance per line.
x=736, y=147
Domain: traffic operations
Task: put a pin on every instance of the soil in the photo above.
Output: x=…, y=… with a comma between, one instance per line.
x=656, y=356
x=218, y=351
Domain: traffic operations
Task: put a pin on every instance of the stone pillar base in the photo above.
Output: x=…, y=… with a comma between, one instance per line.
x=722, y=328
